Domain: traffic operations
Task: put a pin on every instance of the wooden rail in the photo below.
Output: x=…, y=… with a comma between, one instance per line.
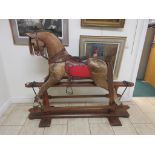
x=117, y=84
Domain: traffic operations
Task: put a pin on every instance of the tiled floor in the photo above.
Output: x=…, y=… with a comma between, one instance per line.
x=141, y=121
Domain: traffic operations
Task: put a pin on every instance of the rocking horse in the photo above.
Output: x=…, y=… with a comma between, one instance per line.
x=64, y=66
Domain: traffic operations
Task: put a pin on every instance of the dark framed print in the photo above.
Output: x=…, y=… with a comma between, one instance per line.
x=99, y=45
x=111, y=23
x=21, y=26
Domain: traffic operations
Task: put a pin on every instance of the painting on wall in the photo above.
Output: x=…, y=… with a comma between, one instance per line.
x=21, y=26
x=97, y=46
x=111, y=23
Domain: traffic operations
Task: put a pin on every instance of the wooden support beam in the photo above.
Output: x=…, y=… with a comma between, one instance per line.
x=114, y=121
x=79, y=84
x=85, y=110
x=45, y=122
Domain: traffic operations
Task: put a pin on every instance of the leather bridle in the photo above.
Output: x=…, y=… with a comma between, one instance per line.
x=61, y=56
x=38, y=51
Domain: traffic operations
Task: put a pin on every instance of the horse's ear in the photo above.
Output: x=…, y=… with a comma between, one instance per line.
x=31, y=35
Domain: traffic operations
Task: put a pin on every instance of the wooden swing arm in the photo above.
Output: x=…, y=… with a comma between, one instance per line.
x=116, y=84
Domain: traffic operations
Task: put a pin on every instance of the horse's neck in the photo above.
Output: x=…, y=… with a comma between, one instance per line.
x=53, y=46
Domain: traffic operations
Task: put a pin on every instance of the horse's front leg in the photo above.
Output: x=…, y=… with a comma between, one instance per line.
x=56, y=73
x=50, y=82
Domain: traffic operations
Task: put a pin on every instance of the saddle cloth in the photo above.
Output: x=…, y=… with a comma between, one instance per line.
x=77, y=69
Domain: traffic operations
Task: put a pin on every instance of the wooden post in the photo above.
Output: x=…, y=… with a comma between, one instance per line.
x=45, y=101
x=45, y=122
x=110, y=81
x=113, y=120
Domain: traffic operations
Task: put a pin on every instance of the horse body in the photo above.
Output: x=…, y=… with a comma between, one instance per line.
x=41, y=40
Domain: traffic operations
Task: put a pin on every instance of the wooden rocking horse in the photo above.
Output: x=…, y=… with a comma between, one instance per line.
x=61, y=66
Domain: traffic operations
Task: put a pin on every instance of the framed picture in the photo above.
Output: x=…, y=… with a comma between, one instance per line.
x=99, y=45
x=20, y=26
x=113, y=23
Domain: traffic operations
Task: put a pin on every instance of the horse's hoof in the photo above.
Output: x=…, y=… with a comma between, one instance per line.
x=36, y=99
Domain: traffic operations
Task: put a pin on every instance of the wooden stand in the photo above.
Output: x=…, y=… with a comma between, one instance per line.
x=111, y=111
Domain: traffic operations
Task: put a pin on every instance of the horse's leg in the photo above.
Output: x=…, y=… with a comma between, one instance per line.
x=56, y=73
x=50, y=82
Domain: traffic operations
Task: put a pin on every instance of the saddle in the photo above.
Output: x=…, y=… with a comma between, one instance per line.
x=77, y=69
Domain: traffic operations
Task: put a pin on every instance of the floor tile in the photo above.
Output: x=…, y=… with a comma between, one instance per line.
x=9, y=130
x=126, y=128
x=78, y=126
x=137, y=116
x=31, y=128
x=145, y=105
x=101, y=129
x=17, y=116
x=6, y=113
x=145, y=129
x=151, y=116
x=56, y=130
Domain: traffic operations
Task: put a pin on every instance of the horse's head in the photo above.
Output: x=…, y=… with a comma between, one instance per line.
x=36, y=44
x=45, y=44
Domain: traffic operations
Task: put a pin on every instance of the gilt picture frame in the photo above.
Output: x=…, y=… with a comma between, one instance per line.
x=109, y=23
x=98, y=44
x=20, y=26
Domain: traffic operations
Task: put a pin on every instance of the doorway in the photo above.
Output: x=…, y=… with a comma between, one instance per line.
x=145, y=82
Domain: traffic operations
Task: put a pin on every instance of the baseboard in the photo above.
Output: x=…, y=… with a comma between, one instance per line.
x=4, y=107
x=21, y=100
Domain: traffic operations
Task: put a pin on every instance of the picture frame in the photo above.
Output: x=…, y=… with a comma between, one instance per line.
x=92, y=44
x=20, y=26
x=109, y=23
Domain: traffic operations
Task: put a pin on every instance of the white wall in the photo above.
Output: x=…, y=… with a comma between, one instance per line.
x=4, y=91
x=20, y=67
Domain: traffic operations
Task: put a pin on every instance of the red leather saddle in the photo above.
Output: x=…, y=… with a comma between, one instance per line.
x=77, y=69
x=74, y=66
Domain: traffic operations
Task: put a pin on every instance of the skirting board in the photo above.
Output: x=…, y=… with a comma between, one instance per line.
x=4, y=107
